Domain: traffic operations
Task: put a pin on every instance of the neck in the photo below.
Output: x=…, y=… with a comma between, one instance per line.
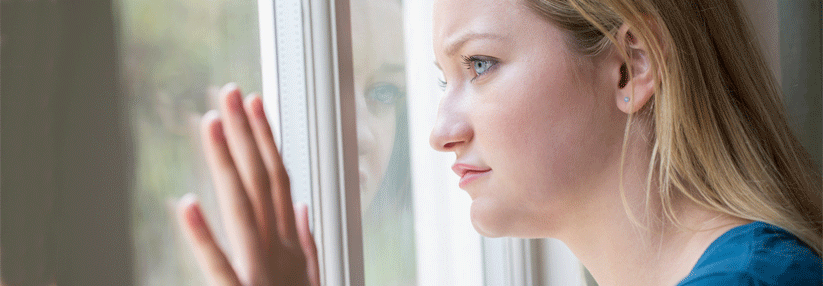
x=652, y=251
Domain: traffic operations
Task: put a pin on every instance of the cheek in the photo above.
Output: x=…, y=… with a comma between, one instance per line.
x=543, y=139
x=383, y=127
x=542, y=127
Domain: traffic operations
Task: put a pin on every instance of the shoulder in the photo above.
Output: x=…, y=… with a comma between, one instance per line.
x=757, y=254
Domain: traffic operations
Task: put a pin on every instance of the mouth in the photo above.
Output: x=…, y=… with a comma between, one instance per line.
x=469, y=173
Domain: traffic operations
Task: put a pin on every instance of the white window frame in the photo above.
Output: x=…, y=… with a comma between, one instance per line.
x=329, y=113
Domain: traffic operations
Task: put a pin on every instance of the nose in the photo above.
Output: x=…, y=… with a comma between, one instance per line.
x=452, y=130
x=365, y=135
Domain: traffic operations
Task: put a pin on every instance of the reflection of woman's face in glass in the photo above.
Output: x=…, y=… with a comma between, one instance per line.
x=379, y=82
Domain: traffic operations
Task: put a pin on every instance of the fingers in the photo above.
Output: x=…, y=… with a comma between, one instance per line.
x=254, y=192
x=247, y=160
x=235, y=207
x=279, y=179
x=307, y=244
x=211, y=259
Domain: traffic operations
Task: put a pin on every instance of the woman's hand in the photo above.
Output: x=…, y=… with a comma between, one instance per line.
x=267, y=246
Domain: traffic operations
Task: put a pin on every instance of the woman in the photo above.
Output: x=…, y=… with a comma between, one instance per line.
x=647, y=135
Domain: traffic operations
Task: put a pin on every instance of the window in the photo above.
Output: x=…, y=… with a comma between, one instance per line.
x=66, y=161
x=408, y=224
x=174, y=57
x=64, y=221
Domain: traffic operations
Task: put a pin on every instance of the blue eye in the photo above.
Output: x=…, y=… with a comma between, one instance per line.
x=382, y=97
x=480, y=64
x=384, y=93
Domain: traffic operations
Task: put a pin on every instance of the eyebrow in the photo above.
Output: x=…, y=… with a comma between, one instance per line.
x=387, y=69
x=456, y=44
x=391, y=68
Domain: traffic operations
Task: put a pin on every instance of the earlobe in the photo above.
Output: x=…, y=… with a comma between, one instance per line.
x=636, y=84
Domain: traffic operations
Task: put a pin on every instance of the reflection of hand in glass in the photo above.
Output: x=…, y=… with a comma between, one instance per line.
x=269, y=247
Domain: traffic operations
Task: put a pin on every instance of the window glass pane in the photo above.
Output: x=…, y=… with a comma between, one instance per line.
x=382, y=133
x=174, y=56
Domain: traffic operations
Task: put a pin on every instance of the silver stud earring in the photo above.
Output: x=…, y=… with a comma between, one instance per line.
x=625, y=99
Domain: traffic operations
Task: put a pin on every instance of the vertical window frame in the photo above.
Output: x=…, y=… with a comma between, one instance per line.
x=330, y=114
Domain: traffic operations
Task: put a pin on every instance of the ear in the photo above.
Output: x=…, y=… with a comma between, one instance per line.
x=634, y=79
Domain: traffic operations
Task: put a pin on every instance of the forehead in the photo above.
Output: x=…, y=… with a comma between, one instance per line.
x=377, y=35
x=509, y=19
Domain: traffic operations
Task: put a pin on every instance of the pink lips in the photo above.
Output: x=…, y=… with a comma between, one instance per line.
x=469, y=173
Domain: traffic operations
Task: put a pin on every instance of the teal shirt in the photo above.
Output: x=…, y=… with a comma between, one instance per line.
x=756, y=254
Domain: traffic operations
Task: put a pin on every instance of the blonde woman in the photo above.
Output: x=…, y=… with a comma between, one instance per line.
x=647, y=135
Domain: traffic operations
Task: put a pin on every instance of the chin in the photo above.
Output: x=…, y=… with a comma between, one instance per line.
x=490, y=218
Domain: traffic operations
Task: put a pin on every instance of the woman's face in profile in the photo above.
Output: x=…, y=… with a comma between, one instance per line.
x=533, y=121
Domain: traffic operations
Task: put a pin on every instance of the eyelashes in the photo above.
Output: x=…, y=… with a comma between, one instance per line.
x=479, y=65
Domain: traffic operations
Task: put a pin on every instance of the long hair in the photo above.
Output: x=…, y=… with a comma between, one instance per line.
x=721, y=137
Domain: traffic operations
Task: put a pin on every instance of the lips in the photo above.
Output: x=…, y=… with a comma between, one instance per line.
x=469, y=173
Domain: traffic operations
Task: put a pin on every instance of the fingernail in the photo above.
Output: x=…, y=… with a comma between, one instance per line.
x=216, y=131
x=234, y=101
x=187, y=199
x=302, y=208
x=229, y=87
x=257, y=106
x=192, y=209
x=210, y=115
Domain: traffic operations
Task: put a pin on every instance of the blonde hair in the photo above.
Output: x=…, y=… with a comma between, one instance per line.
x=721, y=137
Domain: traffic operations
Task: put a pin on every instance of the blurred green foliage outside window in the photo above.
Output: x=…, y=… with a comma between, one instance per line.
x=174, y=55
